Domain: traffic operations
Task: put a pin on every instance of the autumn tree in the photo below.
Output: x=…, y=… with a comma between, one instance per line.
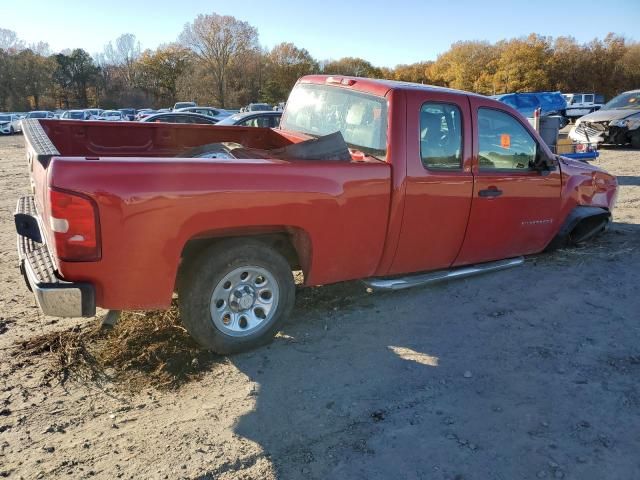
x=523, y=64
x=219, y=41
x=123, y=55
x=73, y=75
x=468, y=65
x=351, y=66
x=34, y=75
x=9, y=41
x=158, y=71
x=285, y=64
x=415, y=72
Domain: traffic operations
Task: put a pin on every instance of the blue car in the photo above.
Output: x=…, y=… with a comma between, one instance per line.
x=524, y=103
x=550, y=103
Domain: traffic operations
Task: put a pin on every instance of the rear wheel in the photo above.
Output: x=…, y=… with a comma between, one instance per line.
x=233, y=297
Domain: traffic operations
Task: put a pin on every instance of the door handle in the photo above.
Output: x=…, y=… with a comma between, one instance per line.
x=490, y=192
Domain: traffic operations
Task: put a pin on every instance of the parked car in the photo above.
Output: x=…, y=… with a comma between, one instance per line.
x=617, y=122
x=180, y=117
x=217, y=113
x=9, y=124
x=179, y=105
x=580, y=104
x=550, y=103
x=76, y=115
x=258, y=107
x=128, y=113
x=144, y=113
x=364, y=179
x=525, y=103
x=112, y=116
x=94, y=112
x=40, y=114
x=263, y=119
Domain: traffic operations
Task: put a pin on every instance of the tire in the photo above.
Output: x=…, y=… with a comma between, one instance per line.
x=635, y=140
x=11, y=131
x=226, y=312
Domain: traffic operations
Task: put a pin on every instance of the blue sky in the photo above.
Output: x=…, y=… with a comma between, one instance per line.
x=385, y=33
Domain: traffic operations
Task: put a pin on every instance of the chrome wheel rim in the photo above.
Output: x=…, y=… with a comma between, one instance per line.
x=244, y=301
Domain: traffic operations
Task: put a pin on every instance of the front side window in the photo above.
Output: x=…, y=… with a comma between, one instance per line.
x=588, y=98
x=320, y=110
x=503, y=143
x=441, y=136
x=576, y=99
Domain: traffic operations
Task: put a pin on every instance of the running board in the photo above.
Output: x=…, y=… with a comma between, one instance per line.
x=400, y=283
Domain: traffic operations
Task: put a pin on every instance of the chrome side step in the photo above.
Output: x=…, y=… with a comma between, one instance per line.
x=400, y=283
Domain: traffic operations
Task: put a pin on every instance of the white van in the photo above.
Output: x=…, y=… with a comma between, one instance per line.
x=579, y=104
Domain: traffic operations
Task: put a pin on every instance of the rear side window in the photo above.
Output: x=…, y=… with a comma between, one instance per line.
x=441, y=136
x=588, y=98
x=503, y=143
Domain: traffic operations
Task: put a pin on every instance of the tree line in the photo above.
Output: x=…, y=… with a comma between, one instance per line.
x=218, y=60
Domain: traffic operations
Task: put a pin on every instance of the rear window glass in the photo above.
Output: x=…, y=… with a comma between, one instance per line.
x=320, y=110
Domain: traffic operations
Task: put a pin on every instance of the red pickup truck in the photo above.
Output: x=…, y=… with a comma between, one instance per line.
x=364, y=179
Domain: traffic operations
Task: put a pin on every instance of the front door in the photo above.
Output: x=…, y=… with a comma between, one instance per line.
x=515, y=208
x=439, y=181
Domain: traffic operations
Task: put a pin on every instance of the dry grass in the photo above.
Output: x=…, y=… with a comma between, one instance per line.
x=150, y=349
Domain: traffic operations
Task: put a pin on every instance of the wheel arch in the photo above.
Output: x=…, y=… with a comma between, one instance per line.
x=293, y=243
x=582, y=223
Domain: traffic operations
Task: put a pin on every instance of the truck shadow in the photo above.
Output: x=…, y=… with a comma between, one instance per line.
x=434, y=380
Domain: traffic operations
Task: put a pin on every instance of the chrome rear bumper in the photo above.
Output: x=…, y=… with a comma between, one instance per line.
x=54, y=296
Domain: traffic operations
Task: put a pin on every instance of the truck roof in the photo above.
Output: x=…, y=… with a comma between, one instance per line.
x=376, y=86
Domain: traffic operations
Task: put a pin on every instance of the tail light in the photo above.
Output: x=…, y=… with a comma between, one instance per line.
x=73, y=219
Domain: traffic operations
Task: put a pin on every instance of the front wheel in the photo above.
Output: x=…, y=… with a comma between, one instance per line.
x=635, y=140
x=234, y=296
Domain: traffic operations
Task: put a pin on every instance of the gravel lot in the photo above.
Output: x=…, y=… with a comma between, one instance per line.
x=528, y=373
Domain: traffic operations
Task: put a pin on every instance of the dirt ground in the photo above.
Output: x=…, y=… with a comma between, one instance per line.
x=527, y=373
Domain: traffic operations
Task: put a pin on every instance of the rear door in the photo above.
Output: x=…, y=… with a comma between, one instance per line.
x=439, y=181
x=515, y=208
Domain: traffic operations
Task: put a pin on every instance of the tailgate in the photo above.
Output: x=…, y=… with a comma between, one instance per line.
x=40, y=150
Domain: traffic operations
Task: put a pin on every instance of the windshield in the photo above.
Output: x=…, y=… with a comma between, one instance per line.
x=76, y=115
x=37, y=115
x=111, y=114
x=624, y=100
x=5, y=118
x=321, y=110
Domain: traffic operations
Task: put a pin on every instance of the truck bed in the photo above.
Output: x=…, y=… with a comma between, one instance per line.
x=151, y=204
x=142, y=139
